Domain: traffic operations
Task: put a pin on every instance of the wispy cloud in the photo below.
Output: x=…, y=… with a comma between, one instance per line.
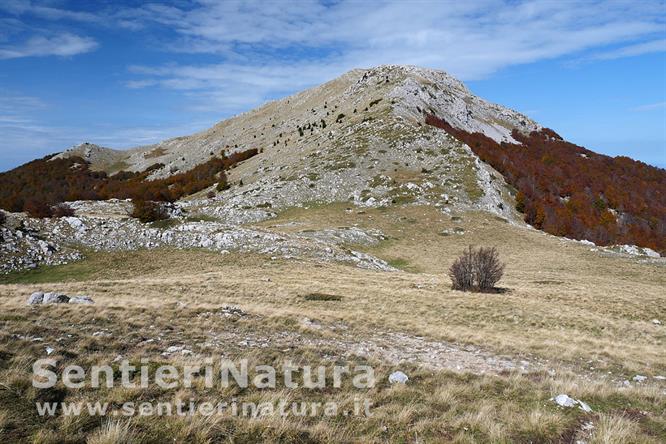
x=632, y=50
x=44, y=10
x=21, y=38
x=13, y=102
x=228, y=87
x=266, y=48
x=471, y=40
x=649, y=107
x=57, y=45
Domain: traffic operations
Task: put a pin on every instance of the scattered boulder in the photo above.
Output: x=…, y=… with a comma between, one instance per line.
x=639, y=378
x=55, y=298
x=230, y=310
x=309, y=323
x=565, y=401
x=398, y=378
x=175, y=349
x=75, y=223
x=651, y=253
x=39, y=297
x=656, y=322
x=36, y=298
x=634, y=250
x=81, y=300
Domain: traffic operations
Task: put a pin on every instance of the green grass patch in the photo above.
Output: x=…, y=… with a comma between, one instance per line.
x=115, y=265
x=471, y=183
x=399, y=263
x=76, y=271
x=121, y=165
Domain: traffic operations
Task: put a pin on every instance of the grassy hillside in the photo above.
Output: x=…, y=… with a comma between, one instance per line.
x=482, y=367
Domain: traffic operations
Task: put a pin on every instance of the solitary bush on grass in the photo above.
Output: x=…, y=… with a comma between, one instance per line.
x=477, y=270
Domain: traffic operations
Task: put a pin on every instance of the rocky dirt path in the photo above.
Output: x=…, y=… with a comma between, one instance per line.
x=391, y=347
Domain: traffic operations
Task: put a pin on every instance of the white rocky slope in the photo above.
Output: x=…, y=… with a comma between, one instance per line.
x=105, y=226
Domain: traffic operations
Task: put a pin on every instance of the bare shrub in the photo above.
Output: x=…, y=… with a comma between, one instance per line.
x=477, y=270
x=462, y=271
x=62, y=210
x=489, y=269
x=210, y=194
x=38, y=209
x=147, y=211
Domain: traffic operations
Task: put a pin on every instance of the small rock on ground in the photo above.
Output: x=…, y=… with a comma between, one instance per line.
x=398, y=378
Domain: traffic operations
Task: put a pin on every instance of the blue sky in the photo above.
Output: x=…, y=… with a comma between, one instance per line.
x=121, y=74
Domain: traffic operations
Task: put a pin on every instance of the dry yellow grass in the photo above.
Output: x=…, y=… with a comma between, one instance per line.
x=582, y=320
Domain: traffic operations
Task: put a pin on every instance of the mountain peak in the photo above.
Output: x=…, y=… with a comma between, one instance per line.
x=359, y=97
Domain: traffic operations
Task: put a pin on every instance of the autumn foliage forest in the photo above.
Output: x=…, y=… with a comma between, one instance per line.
x=567, y=190
x=39, y=186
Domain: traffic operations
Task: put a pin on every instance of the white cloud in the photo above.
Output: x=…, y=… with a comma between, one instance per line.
x=44, y=10
x=21, y=37
x=268, y=48
x=650, y=107
x=63, y=45
x=230, y=87
x=633, y=50
x=13, y=102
